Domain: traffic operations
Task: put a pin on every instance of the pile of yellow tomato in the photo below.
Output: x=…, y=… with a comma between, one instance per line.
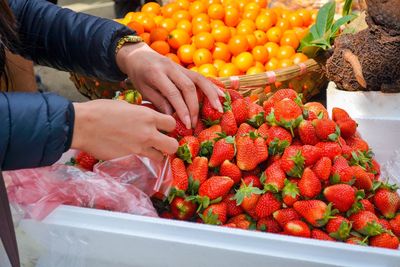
x=220, y=38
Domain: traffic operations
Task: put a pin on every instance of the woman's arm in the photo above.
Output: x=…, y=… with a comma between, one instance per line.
x=69, y=41
x=35, y=129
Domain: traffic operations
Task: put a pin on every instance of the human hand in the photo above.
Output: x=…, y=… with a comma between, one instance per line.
x=109, y=129
x=166, y=84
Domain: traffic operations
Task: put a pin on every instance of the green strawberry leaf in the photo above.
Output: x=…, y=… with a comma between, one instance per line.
x=206, y=149
x=290, y=189
x=194, y=185
x=184, y=153
x=343, y=232
x=270, y=119
x=210, y=123
x=335, y=178
x=227, y=102
x=257, y=120
x=277, y=147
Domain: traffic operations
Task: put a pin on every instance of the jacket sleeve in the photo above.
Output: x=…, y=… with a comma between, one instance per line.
x=35, y=129
x=69, y=41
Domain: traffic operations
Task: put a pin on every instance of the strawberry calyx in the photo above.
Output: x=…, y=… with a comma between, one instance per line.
x=208, y=122
x=290, y=189
x=271, y=119
x=253, y=135
x=227, y=105
x=372, y=229
x=357, y=205
x=335, y=178
x=184, y=153
x=335, y=136
x=277, y=146
x=246, y=191
x=257, y=120
x=380, y=185
x=174, y=192
x=193, y=187
x=203, y=201
x=298, y=161
x=210, y=218
x=362, y=159
x=343, y=232
x=328, y=214
x=206, y=149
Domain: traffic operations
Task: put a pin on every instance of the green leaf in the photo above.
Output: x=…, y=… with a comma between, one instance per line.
x=347, y=7
x=325, y=18
x=343, y=20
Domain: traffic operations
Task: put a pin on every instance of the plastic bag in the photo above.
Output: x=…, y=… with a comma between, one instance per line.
x=123, y=185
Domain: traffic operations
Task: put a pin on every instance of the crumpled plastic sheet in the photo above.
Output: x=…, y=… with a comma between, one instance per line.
x=123, y=185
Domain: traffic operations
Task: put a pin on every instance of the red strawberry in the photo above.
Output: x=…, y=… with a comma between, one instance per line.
x=242, y=221
x=231, y=170
x=330, y=149
x=274, y=178
x=341, y=195
x=252, y=179
x=240, y=109
x=367, y=205
x=247, y=196
x=317, y=108
x=215, y=187
x=395, y=225
x=279, y=133
x=234, y=94
x=224, y=149
x=284, y=216
x=307, y=133
x=346, y=151
x=268, y=225
x=297, y=228
x=180, y=179
x=244, y=129
x=188, y=148
x=210, y=114
x=200, y=126
x=182, y=209
x=230, y=225
x=215, y=214
x=210, y=134
x=198, y=170
x=339, y=228
x=282, y=94
x=357, y=144
x=387, y=202
x=339, y=166
x=320, y=235
x=251, y=151
x=309, y=115
x=339, y=114
x=256, y=115
x=385, y=224
x=180, y=128
x=322, y=168
x=315, y=212
x=167, y=215
x=228, y=123
x=287, y=114
x=311, y=154
x=266, y=205
x=290, y=193
x=263, y=131
x=384, y=240
x=363, y=180
x=232, y=208
x=326, y=129
x=86, y=161
x=366, y=223
x=347, y=127
x=292, y=161
x=309, y=184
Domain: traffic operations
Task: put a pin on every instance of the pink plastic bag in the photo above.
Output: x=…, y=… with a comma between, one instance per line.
x=123, y=185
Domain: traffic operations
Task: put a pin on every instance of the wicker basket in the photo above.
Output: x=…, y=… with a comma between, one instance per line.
x=307, y=78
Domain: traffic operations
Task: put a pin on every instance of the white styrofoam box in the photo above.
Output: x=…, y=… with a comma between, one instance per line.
x=78, y=237
x=377, y=115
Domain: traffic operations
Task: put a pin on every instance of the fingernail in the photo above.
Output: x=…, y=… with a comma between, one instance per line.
x=219, y=106
x=186, y=120
x=194, y=121
x=220, y=92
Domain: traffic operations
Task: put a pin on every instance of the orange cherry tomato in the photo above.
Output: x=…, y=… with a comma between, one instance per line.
x=260, y=54
x=198, y=27
x=232, y=17
x=272, y=64
x=263, y=22
x=185, y=53
x=251, y=40
x=306, y=16
x=174, y=58
x=229, y=69
x=285, y=52
x=204, y=40
x=136, y=26
x=169, y=9
x=284, y=63
x=183, y=4
x=168, y=24
x=201, y=18
x=273, y=49
x=238, y=44
x=151, y=7
x=244, y=61
x=221, y=34
x=261, y=37
x=283, y=24
x=177, y=38
x=252, y=15
x=181, y=15
x=196, y=8
x=215, y=23
x=216, y=11
x=158, y=34
x=221, y=52
x=296, y=20
x=160, y=47
x=290, y=39
x=218, y=63
x=254, y=70
x=274, y=34
x=202, y=56
x=208, y=70
x=299, y=58
x=185, y=25
x=145, y=37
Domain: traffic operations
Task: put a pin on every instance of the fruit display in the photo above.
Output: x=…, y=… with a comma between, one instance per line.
x=284, y=167
x=222, y=38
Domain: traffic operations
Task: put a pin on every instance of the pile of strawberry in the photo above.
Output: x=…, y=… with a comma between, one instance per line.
x=284, y=168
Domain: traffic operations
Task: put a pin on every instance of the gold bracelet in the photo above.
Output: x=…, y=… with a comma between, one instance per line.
x=133, y=39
